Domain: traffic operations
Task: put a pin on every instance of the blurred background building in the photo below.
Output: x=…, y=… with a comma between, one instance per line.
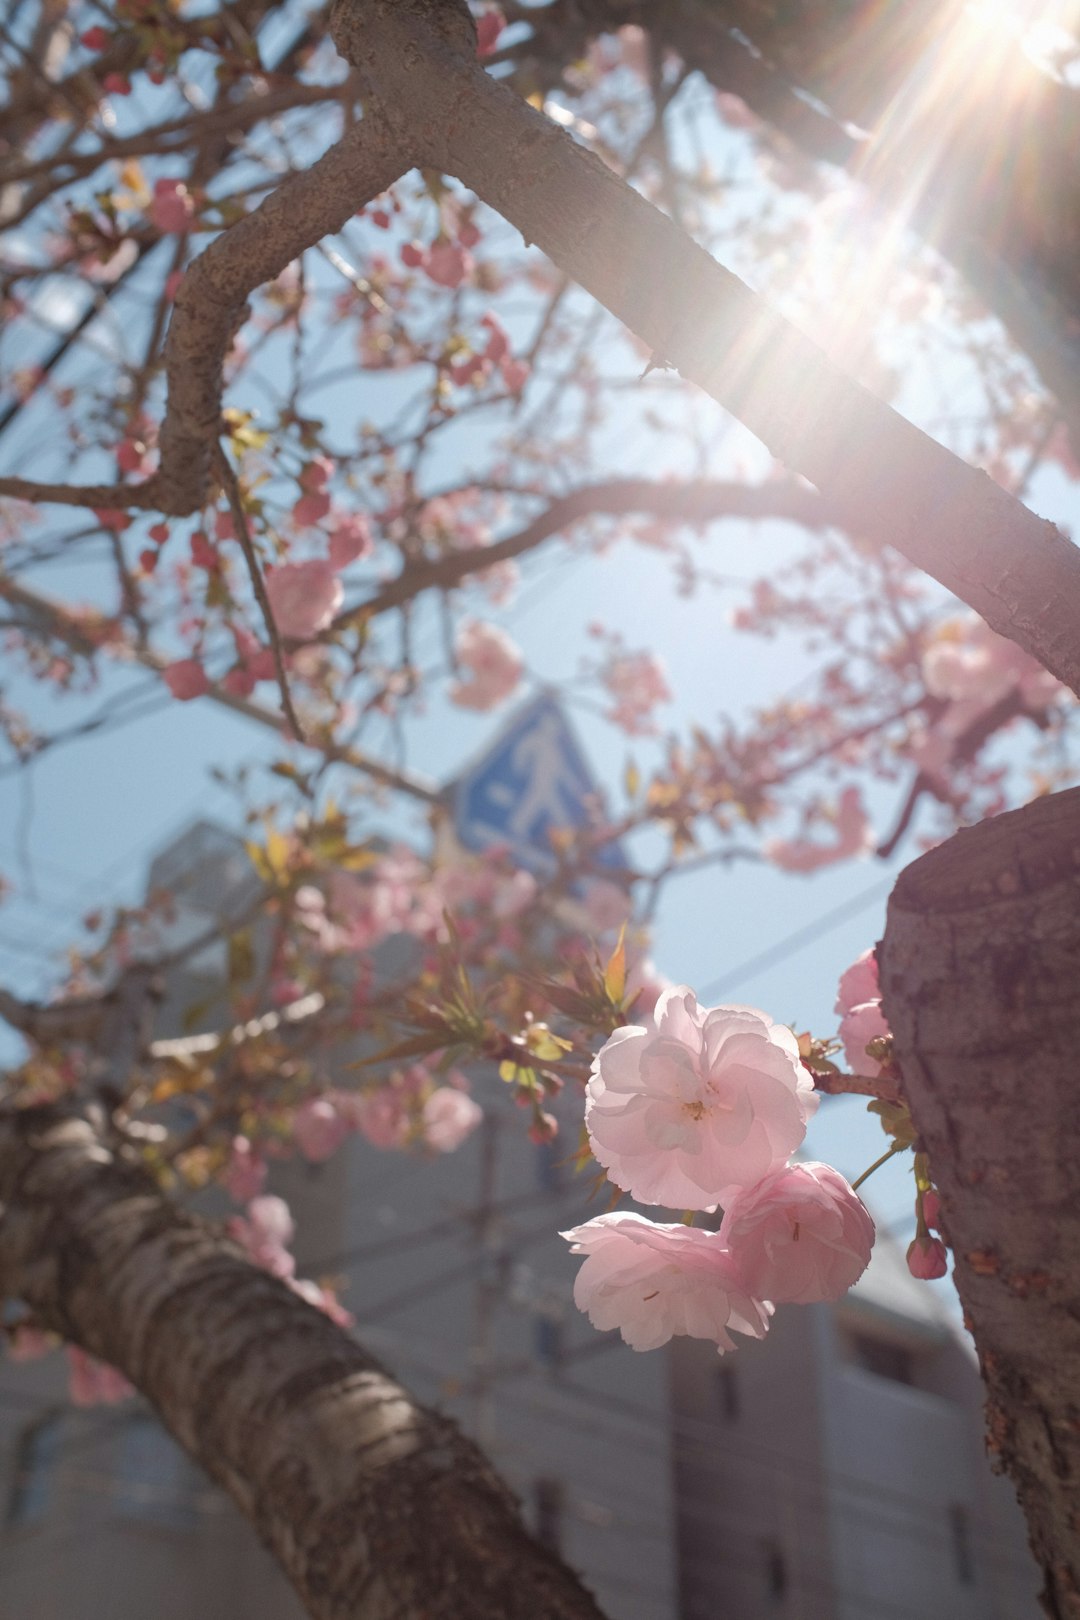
x=834, y=1471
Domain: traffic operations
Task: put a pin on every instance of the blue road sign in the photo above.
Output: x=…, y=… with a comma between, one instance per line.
x=532, y=782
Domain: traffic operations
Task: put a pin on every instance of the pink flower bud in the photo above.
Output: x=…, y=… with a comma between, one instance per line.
x=488, y=29
x=927, y=1260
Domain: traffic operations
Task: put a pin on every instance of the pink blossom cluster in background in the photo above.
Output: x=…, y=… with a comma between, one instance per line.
x=971, y=670
x=853, y=836
x=700, y=1107
x=493, y=664
x=637, y=683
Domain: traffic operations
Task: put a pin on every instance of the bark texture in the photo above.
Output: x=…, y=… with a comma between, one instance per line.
x=376, y=1508
x=981, y=981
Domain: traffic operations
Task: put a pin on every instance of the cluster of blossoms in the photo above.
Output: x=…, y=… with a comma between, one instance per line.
x=853, y=836
x=493, y=664
x=700, y=1108
x=971, y=671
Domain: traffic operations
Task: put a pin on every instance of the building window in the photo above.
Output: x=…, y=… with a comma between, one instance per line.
x=727, y=1386
x=548, y=1341
x=776, y=1573
x=883, y=1357
x=960, y=1537
x=37, y=1452
x=548, y=1513
x=549, y=1165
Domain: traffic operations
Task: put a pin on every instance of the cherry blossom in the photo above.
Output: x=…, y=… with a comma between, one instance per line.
x=449, y=1116
x=172, y=207
x=494, y=664
x=304, y=596
x=245, y=1172
x=92, y=1382
x=350, y=539
x=186, y=679
x=447, y=263
x=858, y=983
x=703, y=1100
x=854, y=836
x=266, y=1232
x=319, y=1128
x=653, y=1282
x=859, y=1026
x=800, y=1235
x=606, y=905
x=637, y=682
x=381, y=1116
x=488, y=28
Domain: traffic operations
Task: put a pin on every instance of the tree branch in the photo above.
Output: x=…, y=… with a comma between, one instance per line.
x=374, y=1506
x=78, y=632
x=211, y=306
x=881, y=476
x=695, y=501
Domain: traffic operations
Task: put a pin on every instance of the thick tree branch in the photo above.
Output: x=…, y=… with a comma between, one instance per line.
x=880, y=475
x=374, y=1506
x=980, y=968
x=211, y=306
x=695, y=501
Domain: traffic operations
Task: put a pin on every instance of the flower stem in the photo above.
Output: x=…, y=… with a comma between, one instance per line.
x=877, y=1164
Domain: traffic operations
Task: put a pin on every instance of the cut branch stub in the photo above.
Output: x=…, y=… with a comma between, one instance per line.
x=980, y=975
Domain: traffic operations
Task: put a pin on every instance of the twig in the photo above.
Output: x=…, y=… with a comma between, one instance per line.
x=229, y=483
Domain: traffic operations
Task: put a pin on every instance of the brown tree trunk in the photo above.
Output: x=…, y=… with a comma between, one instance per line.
x=981, y=981
x=376, y=1508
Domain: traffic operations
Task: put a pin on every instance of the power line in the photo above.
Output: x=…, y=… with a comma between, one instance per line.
x=783, y=948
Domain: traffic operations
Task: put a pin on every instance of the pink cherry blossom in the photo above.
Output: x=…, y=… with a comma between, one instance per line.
x=350, y=540
x=323, y=1299
x=703, y=1100
x=493, y=662
x=854, y=836
x=449, y=1116
x=245, y=1172
x=381, y=1116
x=311, y=508
x=319, y=1128
x=186, y=679
x=858, y=1027
x=800, y=1235
x=266, y=1232
x=607, y=906
x=173, y=207
x=653, y=1282
x=637, y=683
x=927, y=1259
x=448, y=264
x=304, y=597
x=488, y=28
x=92, y=1382
x=931, y=1209
x=858, y=983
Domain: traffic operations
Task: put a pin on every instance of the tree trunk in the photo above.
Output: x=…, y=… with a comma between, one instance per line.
x=375, y=1508
x=980, y=976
